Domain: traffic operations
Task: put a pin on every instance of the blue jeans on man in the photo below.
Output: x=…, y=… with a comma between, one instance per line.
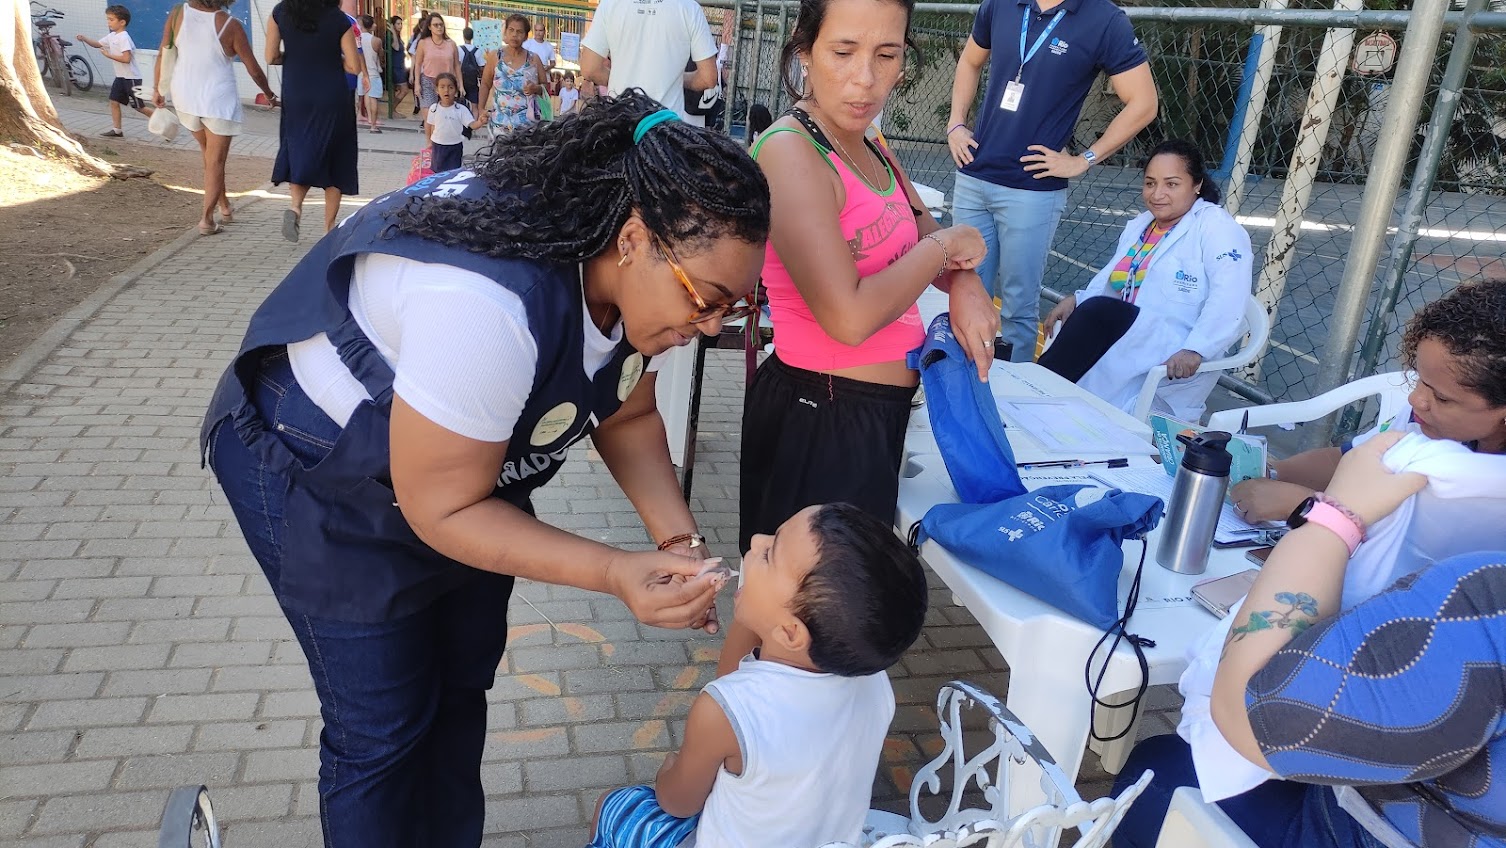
x=1017, y=226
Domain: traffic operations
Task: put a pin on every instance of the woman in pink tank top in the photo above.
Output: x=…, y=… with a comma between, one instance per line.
x=850, y=251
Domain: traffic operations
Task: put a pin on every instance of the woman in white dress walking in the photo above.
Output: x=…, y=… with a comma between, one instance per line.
x=206, y=38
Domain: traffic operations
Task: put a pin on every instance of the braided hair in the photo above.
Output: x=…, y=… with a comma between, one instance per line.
x=563, y=189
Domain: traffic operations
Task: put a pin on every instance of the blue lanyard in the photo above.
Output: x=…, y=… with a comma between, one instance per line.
x=1025, y=32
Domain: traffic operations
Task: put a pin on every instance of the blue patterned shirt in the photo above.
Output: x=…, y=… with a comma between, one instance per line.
x=1404, y=698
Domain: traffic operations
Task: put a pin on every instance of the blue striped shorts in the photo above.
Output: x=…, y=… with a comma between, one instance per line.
x=631, y=818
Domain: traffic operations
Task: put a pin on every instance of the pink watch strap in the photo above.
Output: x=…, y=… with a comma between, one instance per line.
x=1337, y=522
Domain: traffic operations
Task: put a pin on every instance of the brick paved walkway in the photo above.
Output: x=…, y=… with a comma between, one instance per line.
x=140, y=647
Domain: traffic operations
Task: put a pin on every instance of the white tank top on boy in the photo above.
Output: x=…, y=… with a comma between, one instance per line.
x=810, y=747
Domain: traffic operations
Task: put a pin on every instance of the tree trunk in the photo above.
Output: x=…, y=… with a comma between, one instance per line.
x=27, y=116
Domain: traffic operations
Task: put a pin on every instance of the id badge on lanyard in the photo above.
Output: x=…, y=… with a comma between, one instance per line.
x=1014, y=90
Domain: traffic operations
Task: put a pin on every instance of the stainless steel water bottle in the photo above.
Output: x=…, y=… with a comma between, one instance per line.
x=1197, y=497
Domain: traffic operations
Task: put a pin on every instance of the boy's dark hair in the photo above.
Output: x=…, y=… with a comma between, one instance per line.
x=468, y=33
x=367, y=22
x=865, y=601
x=119, y=13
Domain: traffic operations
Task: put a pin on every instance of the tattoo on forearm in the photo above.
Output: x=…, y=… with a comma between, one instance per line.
x=1301, y=613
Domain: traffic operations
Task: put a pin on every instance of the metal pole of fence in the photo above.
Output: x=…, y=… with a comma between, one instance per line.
x=1419, y=46
x=732, y=75
x=1263, y=45
x=1308, y=155
x=1426, y=171
x=757, y=48
x=784, y=14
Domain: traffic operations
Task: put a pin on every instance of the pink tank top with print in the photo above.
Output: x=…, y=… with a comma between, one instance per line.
x=879, y=228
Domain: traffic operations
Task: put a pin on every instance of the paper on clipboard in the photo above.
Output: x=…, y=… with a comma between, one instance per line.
x=1071, y=426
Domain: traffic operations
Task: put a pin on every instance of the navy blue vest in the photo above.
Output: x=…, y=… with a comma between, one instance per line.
x=348, y=553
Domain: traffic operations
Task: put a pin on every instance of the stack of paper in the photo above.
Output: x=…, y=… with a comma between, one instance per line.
x=1071, y=426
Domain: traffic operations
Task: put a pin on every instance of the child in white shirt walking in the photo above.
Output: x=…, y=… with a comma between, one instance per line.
x=445, y=125
x=117, y=46
x=782, y=752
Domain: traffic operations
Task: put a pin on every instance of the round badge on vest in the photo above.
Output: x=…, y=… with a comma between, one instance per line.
x=553, y=424
x=632, y=372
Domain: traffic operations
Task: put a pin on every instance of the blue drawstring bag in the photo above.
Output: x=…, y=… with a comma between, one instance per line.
x=1061, y=544
x=965, y=419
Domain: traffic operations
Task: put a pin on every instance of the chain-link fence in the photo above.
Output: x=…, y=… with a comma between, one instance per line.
x=1301, y=217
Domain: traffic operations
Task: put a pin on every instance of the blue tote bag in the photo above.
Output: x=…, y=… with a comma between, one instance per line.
x=1061, y=544
x=965, y=419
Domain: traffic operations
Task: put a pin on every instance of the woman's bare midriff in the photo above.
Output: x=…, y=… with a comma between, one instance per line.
x=894, y=373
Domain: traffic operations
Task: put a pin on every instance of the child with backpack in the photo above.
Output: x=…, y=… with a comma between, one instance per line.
x=471, y=63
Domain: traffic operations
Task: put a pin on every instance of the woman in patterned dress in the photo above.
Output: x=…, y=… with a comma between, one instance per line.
x=510, y=80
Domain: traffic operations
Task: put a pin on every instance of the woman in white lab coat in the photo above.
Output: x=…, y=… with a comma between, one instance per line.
x=1173, y=294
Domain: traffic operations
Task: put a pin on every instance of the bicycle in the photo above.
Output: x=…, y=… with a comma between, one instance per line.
x=66, y=71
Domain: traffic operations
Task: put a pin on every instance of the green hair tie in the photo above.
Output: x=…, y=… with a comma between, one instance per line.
x=653, y=120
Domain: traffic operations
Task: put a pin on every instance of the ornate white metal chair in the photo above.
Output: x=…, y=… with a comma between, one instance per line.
x=990, y=769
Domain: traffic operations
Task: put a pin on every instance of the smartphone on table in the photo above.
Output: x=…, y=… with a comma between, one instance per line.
x=1221, y=594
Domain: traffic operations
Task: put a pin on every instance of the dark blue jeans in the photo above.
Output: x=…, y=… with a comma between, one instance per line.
x=403, y=701
x=1275, y=814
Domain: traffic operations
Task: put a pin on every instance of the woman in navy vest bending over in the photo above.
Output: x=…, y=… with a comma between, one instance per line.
x=425, y=368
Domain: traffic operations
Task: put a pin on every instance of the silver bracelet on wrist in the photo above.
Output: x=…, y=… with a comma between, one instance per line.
x=946, y=255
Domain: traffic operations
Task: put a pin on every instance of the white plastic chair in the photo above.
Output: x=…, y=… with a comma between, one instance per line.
x=1013, y=745
x=1192, y=822
x=1258, y=322
x=1392, y=387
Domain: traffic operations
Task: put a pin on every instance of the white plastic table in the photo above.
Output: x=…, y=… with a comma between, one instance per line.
x=1046, y=649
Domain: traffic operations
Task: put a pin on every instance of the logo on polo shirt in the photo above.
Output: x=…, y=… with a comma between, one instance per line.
x=553, y=424
x=1058, y=46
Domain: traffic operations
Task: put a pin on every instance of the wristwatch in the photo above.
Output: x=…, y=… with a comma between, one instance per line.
x=1327, y=514
x=1090, y=156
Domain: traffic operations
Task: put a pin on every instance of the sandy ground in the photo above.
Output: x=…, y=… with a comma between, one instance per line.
x=66, y=234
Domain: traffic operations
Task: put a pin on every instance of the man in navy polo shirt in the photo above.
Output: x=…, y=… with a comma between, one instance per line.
x=1014, y=167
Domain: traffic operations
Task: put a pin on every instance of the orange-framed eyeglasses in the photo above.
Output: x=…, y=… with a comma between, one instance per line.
x=726, y=311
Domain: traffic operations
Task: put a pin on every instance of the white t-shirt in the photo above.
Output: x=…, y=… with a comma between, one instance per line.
x=568, y=97
x=118, y=43
x=458, y=343
x=542, y=49
x=372, y=55
x=449, y=122
x=648, y=42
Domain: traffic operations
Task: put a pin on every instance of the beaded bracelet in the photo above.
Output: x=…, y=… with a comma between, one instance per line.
x=946, y=255
x=696, y=540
